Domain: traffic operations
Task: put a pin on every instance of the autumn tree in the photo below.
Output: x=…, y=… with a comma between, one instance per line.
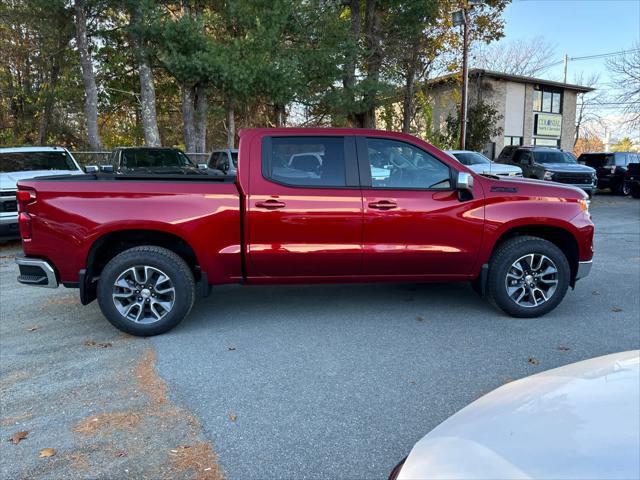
x=623, y=145
x=528, y=57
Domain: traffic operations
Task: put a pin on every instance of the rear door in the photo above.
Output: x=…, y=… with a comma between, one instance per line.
x=415, y=224
x=305, y=217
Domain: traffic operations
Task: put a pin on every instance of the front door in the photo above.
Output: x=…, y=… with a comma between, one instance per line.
x=305, y=209
x=415, y=223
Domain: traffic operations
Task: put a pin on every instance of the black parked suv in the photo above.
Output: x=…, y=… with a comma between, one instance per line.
x=548, y=163
x=611, y=169
x=156, y=160
x=632, y=179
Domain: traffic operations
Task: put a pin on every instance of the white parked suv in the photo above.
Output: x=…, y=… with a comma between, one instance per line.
x=481, y=164
x=22, y=163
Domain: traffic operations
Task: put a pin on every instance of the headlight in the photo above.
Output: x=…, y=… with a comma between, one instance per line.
x=548, y=175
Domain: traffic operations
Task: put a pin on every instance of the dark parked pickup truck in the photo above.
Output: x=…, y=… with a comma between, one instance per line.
x=368, y=206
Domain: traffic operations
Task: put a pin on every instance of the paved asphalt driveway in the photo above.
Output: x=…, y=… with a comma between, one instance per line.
x=341, y=381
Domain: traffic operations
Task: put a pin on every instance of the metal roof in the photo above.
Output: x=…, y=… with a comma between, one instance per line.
x=477, y=72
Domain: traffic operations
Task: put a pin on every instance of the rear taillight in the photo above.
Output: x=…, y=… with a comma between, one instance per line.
x=24, y=221
x=24, y=198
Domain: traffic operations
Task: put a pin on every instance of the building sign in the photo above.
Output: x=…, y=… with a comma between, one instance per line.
x=548, y=124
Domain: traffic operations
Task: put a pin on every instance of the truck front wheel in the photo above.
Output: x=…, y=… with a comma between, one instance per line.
x=146, y=290
x=528, y=276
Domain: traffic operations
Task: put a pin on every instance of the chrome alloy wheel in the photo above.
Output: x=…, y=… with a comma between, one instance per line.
x=532, y=280
x=143, y=294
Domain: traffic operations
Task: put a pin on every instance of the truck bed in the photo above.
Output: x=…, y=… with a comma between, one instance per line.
x=71, y=213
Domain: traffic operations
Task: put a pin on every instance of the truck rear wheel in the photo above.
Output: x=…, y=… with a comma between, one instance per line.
x=528, y=277
x=146, y=290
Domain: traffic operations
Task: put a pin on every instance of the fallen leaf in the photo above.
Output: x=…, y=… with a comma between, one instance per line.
x=595, y=292
x=93, y=343
x=232, y=348
x=16, y=437
x=507, y=380
x=47, y=452
x=412, y=382
x=533, y=361
x=562, y=348
x=33, y=328
x=616, y=309
x=121, y=453
x=419, y=318
x=233, y=417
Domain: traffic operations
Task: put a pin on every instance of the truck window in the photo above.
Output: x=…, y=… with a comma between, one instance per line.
x=305, y=161
x=397, y=164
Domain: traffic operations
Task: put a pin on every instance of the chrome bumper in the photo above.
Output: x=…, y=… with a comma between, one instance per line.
x=36, y=272
x=583, y=269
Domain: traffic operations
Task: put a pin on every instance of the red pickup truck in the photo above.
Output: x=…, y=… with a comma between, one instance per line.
x=307, y=205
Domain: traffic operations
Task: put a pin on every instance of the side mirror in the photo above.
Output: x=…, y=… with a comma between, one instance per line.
x=203, y=166
x=91, y=169
x=465, y=182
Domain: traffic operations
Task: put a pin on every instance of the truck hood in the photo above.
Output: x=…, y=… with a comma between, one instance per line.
x=566, y=167
x=531, y=187
x=9, y=180
x=577, y=421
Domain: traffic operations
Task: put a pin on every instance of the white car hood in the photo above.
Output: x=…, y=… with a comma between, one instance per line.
x=581, y=421
x=9, y=180
x=495, y=168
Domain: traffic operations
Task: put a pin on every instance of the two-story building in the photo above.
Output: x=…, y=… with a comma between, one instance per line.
x=534, y=111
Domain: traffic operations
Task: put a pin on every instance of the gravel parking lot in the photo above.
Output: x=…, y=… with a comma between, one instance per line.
x=288, y=382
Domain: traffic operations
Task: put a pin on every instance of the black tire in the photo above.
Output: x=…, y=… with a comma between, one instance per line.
x=621, y=189
x=504, y=257
x=171, y=265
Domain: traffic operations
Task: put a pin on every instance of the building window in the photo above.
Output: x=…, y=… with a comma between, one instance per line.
x=547, y=142
x=547, y=100
x=513, y=141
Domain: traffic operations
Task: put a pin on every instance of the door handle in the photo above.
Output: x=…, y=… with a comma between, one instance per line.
x=383, y=205
x=271, y=204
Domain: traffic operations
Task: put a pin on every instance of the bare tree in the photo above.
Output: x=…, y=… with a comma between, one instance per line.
x=625, y=71
x=528, y=57
x=587, y=104
x=88, y=76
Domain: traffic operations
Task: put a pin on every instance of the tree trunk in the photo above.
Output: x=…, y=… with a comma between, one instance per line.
x=201, y=119
x=280, y=115
x=409, y=89
x=349, y=79
x=188, y=118
x=49, y=101
x=147, y=87
x=231, y=126
x=88, y=77
x=373, y=42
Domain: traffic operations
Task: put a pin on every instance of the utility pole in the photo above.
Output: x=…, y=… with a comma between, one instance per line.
x=465, y=79
x=566, y=65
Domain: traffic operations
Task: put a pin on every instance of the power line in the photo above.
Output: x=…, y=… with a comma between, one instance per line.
x=590, y=57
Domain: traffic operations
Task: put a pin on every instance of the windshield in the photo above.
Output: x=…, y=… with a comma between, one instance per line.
x=234, y=158
x=143, y=158
x=552, y=156
x=597, y=160
x=27, y=161
x=472, y=158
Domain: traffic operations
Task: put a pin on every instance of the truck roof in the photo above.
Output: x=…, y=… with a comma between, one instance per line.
x=32, y=149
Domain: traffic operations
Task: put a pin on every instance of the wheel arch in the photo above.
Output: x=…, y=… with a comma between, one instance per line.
x=559, y=236
x=114, y=242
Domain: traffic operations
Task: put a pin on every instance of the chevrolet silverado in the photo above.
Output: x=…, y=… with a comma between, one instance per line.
x=307, y=205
